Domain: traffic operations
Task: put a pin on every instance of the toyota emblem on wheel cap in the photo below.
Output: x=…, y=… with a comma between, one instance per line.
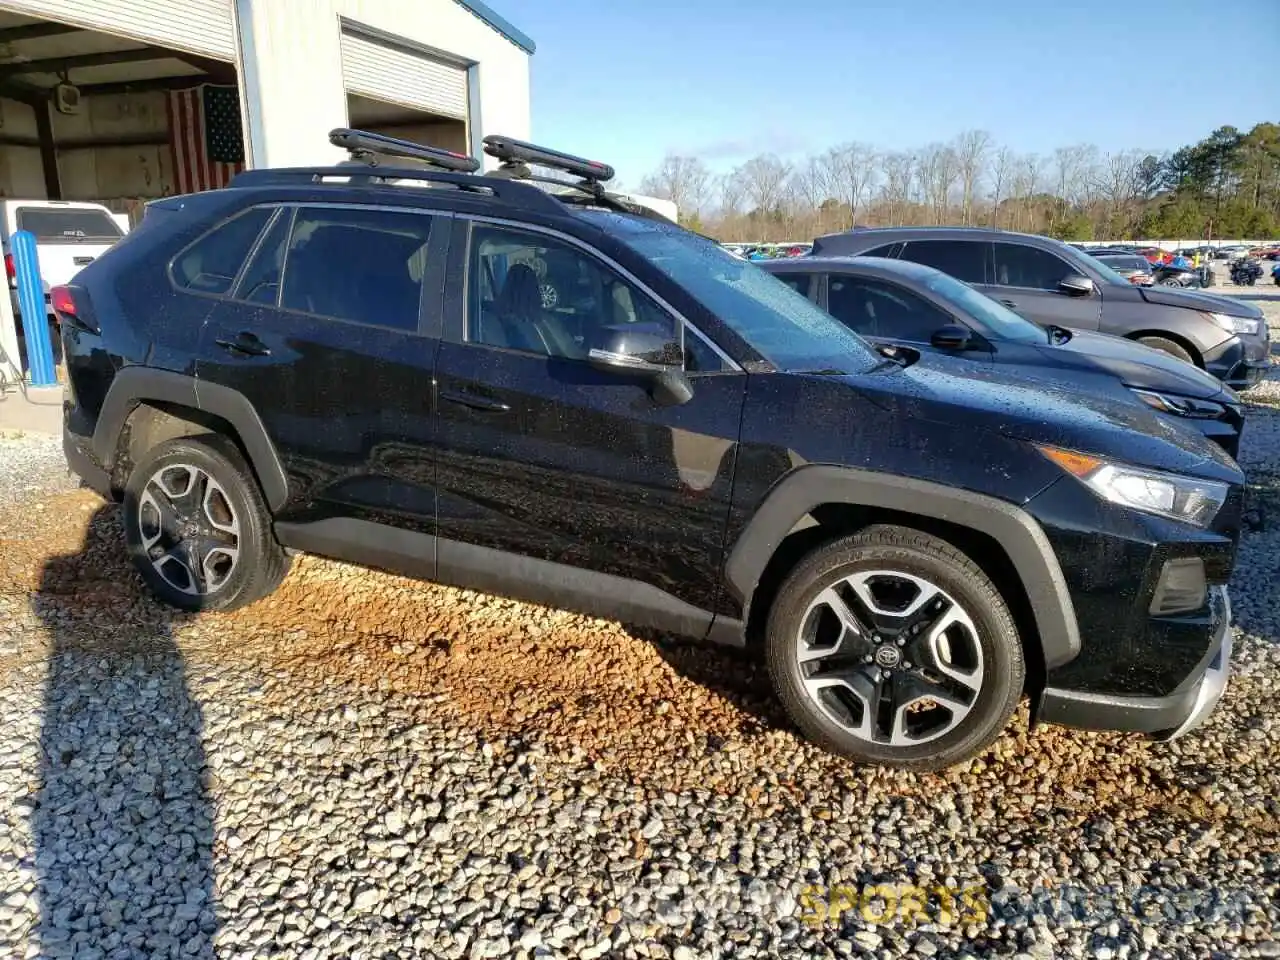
x=888, y=656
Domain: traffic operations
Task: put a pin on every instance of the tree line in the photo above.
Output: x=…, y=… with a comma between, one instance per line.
x=1226, y=185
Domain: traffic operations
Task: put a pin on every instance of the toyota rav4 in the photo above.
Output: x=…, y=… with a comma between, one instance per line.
x=544, y=391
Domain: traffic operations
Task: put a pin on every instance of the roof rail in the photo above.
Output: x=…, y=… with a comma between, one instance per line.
x=367, y=147
x=517, y=194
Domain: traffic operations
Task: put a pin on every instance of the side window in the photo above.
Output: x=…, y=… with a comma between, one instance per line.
x=261, y=280
x=365, y=266
x=963, y=259
x=876, y=309
x=1022, y=266
x=801, y=283
x=889, y=250
x=537, y=294
x=211, y=263
x=699, y=357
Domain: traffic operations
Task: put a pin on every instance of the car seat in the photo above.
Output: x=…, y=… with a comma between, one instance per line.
x=518, y=311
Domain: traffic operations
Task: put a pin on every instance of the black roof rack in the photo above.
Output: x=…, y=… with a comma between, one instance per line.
x=514, y=152
x=366, y=148
x=459, y=171
x=517, y=156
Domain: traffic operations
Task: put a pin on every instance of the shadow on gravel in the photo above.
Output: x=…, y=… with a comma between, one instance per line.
x=123, y=825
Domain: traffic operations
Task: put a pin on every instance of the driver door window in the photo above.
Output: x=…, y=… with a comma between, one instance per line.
x=538, y=295
x=1028, y=267
x=884, y=310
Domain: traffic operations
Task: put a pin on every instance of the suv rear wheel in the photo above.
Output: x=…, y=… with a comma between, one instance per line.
x=893, y=647
x=196, y=526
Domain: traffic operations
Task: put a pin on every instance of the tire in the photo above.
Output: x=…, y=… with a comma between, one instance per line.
x=984, y=682
x=1171, y=347
x=202, y=483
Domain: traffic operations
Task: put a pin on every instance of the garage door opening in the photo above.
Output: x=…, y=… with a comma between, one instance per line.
x=419, y=126
x=114, y=119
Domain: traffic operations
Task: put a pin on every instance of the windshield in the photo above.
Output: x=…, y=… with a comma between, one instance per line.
x=1002, y=322
x=68, y=225
x=783, y=326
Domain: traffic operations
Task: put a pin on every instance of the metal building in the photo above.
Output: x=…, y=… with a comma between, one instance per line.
x=121, y=101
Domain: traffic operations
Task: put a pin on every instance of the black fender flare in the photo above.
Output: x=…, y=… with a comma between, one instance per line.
x=786, y=508
x=137, y=384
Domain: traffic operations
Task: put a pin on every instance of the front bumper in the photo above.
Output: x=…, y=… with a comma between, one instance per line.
x=1241, y=362
x=1162, y=718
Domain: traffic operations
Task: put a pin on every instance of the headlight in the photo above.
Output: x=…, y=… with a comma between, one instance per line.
x=1249, y=326
x=1180, y=406
x=1152, y=491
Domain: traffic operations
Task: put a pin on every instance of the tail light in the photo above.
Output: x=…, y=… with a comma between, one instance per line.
x=10, y=270
x=74, y=308
x=64, y=305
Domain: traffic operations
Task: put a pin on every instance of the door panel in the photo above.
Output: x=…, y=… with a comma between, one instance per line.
x=348, y=404
x=545, y=457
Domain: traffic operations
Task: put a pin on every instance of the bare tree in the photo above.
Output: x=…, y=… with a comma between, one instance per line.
x=971, y=149
x=1026, y=184
x=895, y=192
x=763, y=178
x=732, y=194
x=850, y=172
x=685, y=181
x=1120, y=185
x=1002, y=174
x=937, y=171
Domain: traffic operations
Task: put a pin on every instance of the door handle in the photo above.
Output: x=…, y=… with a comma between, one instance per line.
x=475, y=401
x=1011, y=304
x=245, y=343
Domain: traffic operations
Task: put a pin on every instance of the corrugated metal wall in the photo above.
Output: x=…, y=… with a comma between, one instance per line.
x=198, y=26
x=385, y=72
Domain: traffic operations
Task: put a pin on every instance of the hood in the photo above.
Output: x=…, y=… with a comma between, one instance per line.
x=1019, y=404
x=1135, y=365
x=1195, y=300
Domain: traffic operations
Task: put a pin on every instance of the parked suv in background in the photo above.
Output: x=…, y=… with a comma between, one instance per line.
x=1052, y=283
x=563, y=398
x=899, y=302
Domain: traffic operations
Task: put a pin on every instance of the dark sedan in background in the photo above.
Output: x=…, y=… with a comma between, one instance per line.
x=1050, y=282
x=897, y=302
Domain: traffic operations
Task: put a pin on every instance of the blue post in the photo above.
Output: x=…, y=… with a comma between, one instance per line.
x=35, y=319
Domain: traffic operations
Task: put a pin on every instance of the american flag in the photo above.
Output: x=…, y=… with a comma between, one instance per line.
x=204, y=132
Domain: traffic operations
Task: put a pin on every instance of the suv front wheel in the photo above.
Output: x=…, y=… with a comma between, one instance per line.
x=196, y=526
x=893, y=647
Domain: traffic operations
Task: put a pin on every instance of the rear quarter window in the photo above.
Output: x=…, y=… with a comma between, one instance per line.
x=211, y=264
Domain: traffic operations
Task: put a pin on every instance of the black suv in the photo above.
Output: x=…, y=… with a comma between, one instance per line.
x=548, y=393
x=1052, y=283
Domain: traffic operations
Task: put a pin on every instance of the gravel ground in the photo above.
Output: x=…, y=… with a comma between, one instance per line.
x=366, y=766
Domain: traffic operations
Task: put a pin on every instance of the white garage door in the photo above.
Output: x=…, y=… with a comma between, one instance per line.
x=197, y=26
x=392, y=74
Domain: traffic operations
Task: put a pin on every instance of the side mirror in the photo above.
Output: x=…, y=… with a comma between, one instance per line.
x=643, y=352
x=1075, y=285
x=952, y=337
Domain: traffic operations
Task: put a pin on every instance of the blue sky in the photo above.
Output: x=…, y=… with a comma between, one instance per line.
x=626, y=81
